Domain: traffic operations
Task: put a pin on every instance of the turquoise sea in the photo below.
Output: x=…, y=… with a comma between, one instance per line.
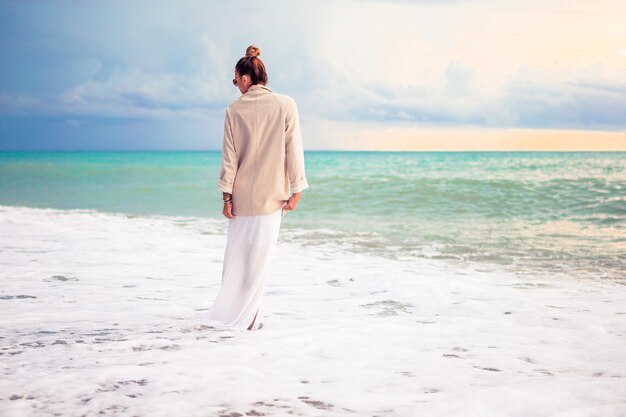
x=532, y=212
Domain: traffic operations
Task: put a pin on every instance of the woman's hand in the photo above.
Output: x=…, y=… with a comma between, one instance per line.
x=228, y=210
x=292, y=203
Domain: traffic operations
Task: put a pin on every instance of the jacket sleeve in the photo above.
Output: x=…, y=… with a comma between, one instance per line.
x=294, y=150
x=230, y=161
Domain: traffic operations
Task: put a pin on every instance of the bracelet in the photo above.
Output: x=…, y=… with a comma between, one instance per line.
x=228, y=201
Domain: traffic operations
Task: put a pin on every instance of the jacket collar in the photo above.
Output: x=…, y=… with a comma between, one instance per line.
x=258, y=87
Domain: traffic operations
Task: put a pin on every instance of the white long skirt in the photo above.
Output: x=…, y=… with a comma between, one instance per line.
x=247, y=262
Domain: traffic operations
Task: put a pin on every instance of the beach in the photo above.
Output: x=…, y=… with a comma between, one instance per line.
x=99, y=317
x=459, y=249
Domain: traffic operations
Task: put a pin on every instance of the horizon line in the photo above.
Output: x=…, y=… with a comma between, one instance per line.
x=324, y=150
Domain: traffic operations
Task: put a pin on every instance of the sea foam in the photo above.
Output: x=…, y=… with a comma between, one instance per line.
x=100, y=312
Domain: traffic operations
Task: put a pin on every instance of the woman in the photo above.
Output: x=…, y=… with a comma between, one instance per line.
x=262, y=158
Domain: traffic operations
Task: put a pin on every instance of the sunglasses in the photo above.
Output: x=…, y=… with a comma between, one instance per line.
x=235, y=79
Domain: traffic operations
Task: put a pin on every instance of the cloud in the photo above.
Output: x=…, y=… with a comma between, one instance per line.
x=126, y=95
x=528, y=100
x=459, y=79
x=461, y=63
x=594, y=100
x=134, y=91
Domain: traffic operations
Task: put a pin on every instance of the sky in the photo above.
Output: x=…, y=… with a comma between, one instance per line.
x=366, y=74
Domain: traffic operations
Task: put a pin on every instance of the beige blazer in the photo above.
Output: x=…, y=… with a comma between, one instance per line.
x=262, y=154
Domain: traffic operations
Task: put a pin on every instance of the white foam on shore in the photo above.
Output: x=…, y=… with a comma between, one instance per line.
x=98, y=316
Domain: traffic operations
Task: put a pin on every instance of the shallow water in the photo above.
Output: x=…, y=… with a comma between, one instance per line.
x=554, y=212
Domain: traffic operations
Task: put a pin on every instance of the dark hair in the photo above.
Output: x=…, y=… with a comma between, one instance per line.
x=252, y=66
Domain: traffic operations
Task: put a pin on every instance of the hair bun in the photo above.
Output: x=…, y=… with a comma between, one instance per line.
x=252, y=51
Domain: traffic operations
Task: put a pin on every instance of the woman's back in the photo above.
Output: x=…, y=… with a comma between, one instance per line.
x=263, y=146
